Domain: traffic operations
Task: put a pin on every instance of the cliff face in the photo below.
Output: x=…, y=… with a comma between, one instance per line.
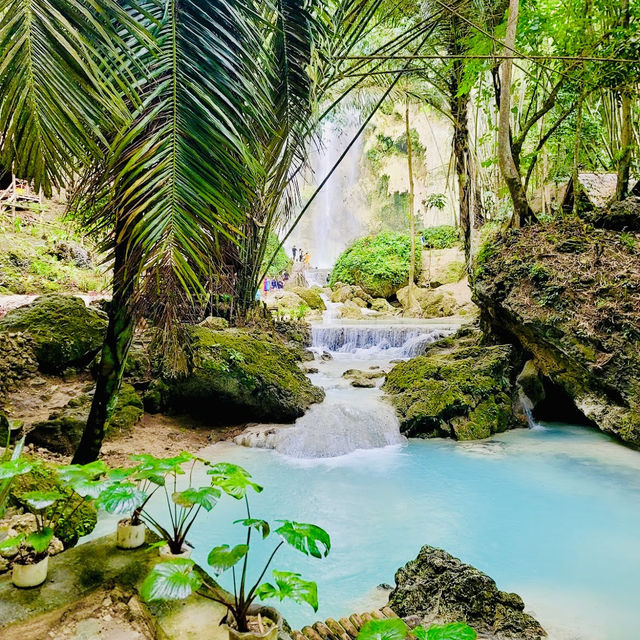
x=569, y=295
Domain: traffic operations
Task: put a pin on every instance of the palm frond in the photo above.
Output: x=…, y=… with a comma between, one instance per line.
x=64, y=81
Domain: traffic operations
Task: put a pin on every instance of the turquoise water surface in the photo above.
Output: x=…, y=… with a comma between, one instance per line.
x=551, y=513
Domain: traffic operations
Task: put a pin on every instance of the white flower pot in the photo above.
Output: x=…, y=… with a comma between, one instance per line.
x=130, y=536
x=165, y=552
x=30, y=575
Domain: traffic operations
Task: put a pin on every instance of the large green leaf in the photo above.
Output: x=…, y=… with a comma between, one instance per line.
x=259, y=525
x=13, y=468
x=205, y=497
x=232, y=479
x=290, y=585
x=40, y=500
x=39, y=540
x=222, y=558
x=308, y=538
x=121, y=498
x=389, y=629
x=451, y=631
x=11, y=543
x=171, y=580
x=76, y=472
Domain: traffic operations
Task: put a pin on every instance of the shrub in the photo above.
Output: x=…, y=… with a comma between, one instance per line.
x=379, y=264
x=441, y=237
x=281, y=262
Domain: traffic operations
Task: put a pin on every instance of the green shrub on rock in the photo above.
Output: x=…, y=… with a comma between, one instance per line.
x=443, y=236
x=311, y=297
x=379, y=264
x=461, y=390
x=63, y=330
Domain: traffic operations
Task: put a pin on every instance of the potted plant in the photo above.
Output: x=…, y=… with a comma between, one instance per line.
x=31, y=564
x=177, y=579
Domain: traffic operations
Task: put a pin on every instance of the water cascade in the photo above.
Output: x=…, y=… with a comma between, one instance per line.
x=349, y=419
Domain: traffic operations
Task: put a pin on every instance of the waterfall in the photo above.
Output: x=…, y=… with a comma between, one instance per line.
x=397, y=341
x=527, y=407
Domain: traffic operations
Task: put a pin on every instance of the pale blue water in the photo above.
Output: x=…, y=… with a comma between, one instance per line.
x=552, y=514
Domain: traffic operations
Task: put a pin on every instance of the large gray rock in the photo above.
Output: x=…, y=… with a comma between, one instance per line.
x=437, y=585
x=64, y=332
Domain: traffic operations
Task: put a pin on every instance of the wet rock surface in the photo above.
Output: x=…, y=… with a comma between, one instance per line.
x=437, y=585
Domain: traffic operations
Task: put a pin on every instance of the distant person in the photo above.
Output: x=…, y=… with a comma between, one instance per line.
x=266, y=285
x=307, y=259
x=294, y=251
x=300, y=254
x=285, y=276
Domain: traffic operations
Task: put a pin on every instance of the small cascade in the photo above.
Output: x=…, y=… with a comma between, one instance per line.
x=334, y=429
x=405, y=341
x=332, y=311
x=527, y=407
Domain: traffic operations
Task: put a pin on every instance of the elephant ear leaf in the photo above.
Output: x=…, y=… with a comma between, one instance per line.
x=13, y=468
x=223, y=557
x=39, y=540
x=121, y=498
x=259, y=525
x=389, y=629
x=40, y=500
x=452, y=631
x=307, y=538
x=232, y=479
x=292, y=586
x=171, y=580
x=205, y=497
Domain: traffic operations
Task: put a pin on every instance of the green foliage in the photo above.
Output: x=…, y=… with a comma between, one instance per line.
x=379, y=264
x=172, y=582
x=397, y=629
x=440, y=237
x=280, y=263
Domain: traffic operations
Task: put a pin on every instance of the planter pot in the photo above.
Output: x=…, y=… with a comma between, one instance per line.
x=30, y=575
x=130, y=536
x=165, y=552
x=267, y=613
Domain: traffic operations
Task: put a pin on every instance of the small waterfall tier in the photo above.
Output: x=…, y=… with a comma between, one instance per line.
x=406, y=340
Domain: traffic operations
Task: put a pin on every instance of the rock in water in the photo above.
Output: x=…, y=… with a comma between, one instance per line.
x=64, y=332
x=438, y=586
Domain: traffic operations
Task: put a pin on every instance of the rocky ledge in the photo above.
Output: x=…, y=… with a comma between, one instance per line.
x=461, y=388
x=437, y=586
x=567, y=295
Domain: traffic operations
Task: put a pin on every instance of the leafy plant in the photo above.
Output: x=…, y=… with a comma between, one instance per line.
x=397, y=629
x=135, y=487
x=11, y=465
x=50, y=507
x=176, y=578
x=440, y=237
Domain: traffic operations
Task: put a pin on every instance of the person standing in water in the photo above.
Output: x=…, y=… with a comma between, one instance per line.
x=294, y=251
x=307, y=259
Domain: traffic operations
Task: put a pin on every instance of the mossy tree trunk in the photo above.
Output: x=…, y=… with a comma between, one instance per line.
x=112, y=362
x=626, y=133
x=412, y=217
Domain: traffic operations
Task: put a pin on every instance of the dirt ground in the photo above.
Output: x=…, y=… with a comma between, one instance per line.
x=156, y=434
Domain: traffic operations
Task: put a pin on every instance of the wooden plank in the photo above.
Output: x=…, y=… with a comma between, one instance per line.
x=311, y=633
x=348, y=626
x=377, y=615
x=324, y=631
x=389, y=612
x=356, y=621
x=366, y=617
x=335, y=627
x=296, y=635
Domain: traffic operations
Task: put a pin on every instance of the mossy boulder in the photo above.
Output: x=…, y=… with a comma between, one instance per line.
x=428, y=303
x=78, y=517
x=238, y=375
x=568, y=295
x=442, y=266
x=436, y=584
x=350, y=293
x=62, y=431
x=459, y=389
x=63, y=330
x=17, y=360
x=379, y=264
x=311, y=297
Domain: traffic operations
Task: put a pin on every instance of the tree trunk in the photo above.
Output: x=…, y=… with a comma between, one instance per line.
x=522, y=213
x=576, y=157
x=412, y=220
x=626, y=133
x=112, y=362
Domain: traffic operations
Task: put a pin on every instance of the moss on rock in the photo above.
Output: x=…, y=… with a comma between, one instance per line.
x=78, y=517
x=237, y=375
x=311, y=297
x=569, y=296
x=63, y=330
x=458, y=389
